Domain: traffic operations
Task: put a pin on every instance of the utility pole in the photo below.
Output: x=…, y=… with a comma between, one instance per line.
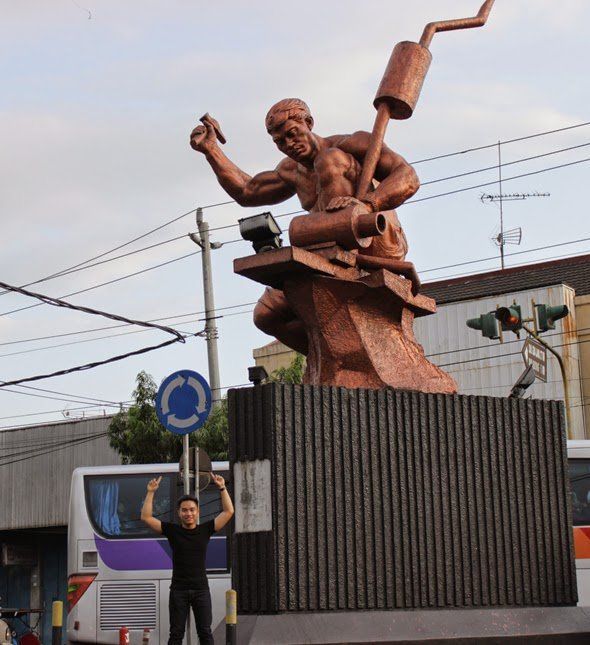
x=211, y=334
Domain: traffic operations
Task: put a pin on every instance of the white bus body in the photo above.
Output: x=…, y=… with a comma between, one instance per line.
x=118, y=570
x=578, y=453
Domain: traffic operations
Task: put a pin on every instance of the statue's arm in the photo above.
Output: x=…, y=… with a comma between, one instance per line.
x=269, y=187
x=398, y=179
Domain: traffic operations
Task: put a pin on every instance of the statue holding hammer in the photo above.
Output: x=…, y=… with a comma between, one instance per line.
x=324, y=173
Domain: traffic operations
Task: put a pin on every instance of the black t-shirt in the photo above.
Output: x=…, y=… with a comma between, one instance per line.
x=189, y=548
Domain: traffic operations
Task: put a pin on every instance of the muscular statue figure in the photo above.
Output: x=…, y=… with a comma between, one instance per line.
x=323, y=172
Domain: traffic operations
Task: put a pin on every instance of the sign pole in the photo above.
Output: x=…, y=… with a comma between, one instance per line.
x=566, y=394
x=187, y=490
x=183, y=403
x=197, y=480
x=185, y=465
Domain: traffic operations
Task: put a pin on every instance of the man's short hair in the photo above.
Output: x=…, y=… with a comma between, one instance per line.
x=186, y=498
x=280, y=112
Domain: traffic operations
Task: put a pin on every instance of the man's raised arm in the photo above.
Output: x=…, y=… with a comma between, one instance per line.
x=227, y=508
x=147, y=508
x=262, y=189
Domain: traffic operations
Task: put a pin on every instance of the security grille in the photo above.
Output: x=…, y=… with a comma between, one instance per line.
x=131, y=605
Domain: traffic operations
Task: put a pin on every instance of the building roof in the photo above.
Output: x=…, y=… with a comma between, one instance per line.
x=574, y=272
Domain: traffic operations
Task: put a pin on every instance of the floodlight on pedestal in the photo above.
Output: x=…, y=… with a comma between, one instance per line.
x=262, y=230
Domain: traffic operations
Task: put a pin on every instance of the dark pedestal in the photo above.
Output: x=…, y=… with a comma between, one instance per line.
x=355, y=500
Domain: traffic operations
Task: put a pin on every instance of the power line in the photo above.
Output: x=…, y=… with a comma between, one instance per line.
x=56, y=346
x=490, y=183
x=504, y=164
x=103, y=284
x=451, y=276
x=70, y=399
x=95, y=264
x=87, y=331
x=61, y=411
x=75, y=442
x=91, y=398
x=539, y=248
x=495, y=144
x=80, y=266
x=62, y=303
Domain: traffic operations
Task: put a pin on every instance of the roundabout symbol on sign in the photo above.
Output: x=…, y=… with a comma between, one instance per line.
x=183, y=402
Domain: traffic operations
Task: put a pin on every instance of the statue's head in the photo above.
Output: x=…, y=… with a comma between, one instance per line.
x=289, y=123
x=294, y=109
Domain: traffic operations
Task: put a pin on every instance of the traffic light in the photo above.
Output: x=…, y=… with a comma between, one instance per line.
x=487, y=324
x=546, y=315
x=510, y=318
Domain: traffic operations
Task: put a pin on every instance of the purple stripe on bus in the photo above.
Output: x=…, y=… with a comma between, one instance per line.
x=133, y=555
x=149, y=555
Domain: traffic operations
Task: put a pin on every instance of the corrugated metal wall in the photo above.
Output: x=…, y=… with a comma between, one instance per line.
x=35, y=482
x=387, y=499
x=484, y=367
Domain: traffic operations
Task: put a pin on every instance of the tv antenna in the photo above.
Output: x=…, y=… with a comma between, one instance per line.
x=513, y=235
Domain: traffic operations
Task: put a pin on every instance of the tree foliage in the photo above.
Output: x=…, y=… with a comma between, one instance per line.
x=139, y=437
x=292, y=374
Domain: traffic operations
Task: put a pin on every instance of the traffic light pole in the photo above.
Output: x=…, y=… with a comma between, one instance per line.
x=566, y=394
x=211, y=333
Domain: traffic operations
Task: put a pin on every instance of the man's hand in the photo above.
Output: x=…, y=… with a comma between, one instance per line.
x=153, y=484
x=218, y=480
x=336, y=203
x=204, y=137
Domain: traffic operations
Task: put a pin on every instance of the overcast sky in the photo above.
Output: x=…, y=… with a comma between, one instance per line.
x=98, y=99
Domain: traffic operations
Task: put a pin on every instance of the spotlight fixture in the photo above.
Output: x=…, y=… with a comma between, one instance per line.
x=525, y=380
x=257, y=374
x=262, y=230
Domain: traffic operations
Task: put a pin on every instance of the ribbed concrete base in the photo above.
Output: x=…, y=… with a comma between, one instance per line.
x=538, y=626
x=361, y=500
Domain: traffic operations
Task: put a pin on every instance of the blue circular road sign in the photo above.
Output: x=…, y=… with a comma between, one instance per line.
x=183, y=402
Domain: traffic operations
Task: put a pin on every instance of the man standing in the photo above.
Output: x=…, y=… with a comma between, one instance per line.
x=323, y=172
x=190, y=587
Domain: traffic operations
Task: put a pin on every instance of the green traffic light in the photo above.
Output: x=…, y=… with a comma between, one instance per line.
x=487, y=324
x=546, y=315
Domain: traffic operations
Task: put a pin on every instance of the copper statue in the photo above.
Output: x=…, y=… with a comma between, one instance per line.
x=343, y=293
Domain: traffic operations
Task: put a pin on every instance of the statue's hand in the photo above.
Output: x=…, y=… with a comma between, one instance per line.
x=204, y=137
x=336, y=203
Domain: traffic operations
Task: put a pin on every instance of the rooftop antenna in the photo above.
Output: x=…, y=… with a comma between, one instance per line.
x=513, y=235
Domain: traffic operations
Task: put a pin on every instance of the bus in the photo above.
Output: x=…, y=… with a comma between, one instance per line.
x=119, y=571
x=578, y=452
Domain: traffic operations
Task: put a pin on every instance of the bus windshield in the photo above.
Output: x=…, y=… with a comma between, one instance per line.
x=114, y=504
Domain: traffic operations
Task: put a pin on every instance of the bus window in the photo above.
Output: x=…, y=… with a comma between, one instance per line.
x=114, y=504
x=580, y=490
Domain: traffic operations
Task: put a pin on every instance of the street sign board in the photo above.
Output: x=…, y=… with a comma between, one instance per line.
x=535, y=355
x=183, y=402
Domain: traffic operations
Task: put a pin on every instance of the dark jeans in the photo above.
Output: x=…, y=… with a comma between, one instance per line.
x=180, y=604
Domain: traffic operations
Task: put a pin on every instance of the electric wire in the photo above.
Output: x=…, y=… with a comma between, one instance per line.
x=178, y=337
x=103, y=284
x=75, y=442
x=80, y=265
x=491, y=183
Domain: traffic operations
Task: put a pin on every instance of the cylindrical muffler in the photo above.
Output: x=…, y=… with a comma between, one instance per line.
x=403, y=79
x=350, y=228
